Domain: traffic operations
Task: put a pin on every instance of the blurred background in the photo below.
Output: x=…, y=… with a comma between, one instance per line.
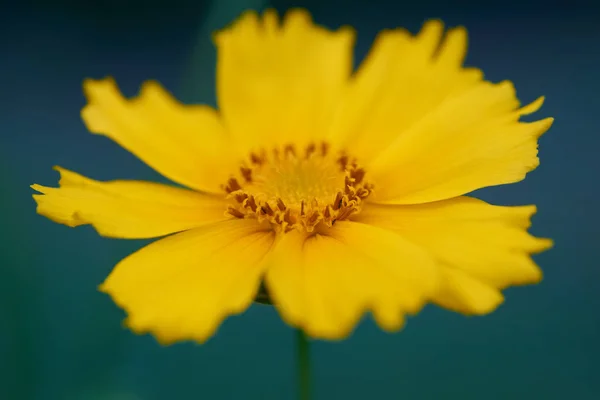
x=61, y=339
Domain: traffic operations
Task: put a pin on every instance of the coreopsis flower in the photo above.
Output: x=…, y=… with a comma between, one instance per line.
x=341, y=192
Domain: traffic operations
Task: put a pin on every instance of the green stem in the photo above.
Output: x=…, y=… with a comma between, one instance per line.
x=303, y=355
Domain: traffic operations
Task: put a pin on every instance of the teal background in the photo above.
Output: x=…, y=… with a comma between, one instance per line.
x=61, y=339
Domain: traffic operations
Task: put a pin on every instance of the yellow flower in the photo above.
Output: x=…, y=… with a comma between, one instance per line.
x=343, y=192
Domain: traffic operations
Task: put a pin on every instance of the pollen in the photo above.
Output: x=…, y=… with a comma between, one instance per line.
x=302, y=188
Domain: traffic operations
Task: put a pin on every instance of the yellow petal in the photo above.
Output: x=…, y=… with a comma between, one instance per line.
x=482, y=247
x=472, y=141
x=400, y=82
x=186, y=144
x=429, y=129
x=183, y=286
x=126, y=209
x=280, y=82
x=461, y=293
x=325, y=282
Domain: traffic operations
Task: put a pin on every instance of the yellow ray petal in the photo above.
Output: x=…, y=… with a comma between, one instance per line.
x=183, y=286
x=401, y=81
x=126, y=209
x=472, y=141
x=482, y=247
x=429, y=129
x=187, y=144
x=280, y=82
x=325, y=282
x=461, y=293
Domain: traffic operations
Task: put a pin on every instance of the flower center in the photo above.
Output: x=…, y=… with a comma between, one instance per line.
x=298, y=188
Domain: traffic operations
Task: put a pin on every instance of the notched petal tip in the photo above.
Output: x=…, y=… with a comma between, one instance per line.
x=506, y=85
x=167, y=332
x=163, y=332
x=430, y=35
x=463, y=294
x=297, y=16
x=249, y=19
x=487, y=306
x=318, y=330
x=521, y=213
x=386, y=34
x=390, y=321
x=453, y=49
x=97, y=92
x=301, y=20
x=460, y=32
x=270, y=21
x=153, y=88
x=138, y=328
x=38, y=188
x=91, y=85
x=542, y=244
x=103, y=288
x=69, y=178
x=338, y=333
x=533, y=106
x=542, y=126
x=347, y=30
x=49, y=205
x=433, y=27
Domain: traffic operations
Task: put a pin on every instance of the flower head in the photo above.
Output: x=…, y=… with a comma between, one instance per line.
x=341, y=192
